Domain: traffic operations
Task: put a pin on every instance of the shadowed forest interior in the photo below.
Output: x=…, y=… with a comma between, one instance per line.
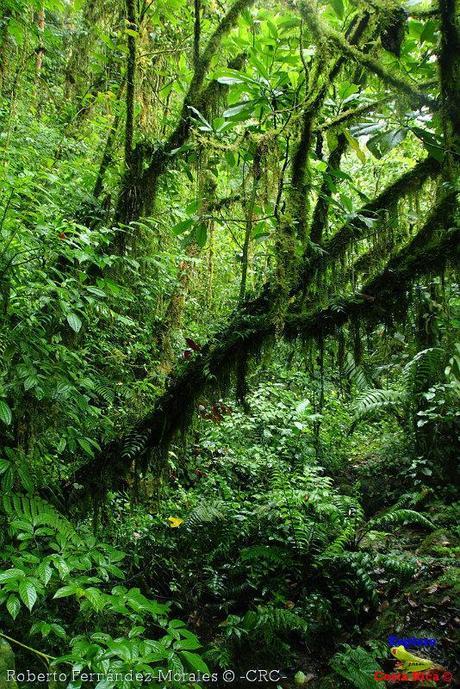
x=229, y=336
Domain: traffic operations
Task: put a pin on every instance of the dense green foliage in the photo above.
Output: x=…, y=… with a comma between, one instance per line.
x=229, y=327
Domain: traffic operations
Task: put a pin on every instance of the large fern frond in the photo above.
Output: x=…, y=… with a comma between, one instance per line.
x=395, y=517
x=377, y=401
x=37, y=512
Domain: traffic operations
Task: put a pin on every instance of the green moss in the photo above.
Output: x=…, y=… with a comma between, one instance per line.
x=436, y=543
x=7, y=662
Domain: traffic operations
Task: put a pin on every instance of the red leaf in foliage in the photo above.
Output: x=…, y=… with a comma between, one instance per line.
x=192, y=344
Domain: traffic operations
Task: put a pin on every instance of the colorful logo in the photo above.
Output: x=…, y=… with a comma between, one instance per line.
x=407, y=667
x=410, y=641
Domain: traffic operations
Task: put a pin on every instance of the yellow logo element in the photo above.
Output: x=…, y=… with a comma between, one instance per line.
x=410, y=662
x=175, y=522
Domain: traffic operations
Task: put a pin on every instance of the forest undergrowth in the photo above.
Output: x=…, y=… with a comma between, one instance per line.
x=229, y=338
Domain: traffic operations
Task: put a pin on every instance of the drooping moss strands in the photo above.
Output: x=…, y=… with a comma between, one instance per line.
x=382, y=298
x=319, y=219
x=357, y=227
x=256, y=174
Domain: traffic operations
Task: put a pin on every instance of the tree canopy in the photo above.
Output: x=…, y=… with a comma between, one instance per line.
x=229, y=326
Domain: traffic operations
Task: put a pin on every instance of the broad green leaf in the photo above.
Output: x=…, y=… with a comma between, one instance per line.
x=28, y=593
x=95, y=598
x=182, y=226
x=58, y=630
x=8, y=479
x=237, y=109
x=338, y=7
x=195, y=661
x=428, y=32
x=95, y=290
x=74, y=322
x=4, y=465
x=188, y=644
x=354, y=143
x=13, y=606
x=432, y=144
x=45, y=572
x=229, y=81
x=202, y=119
x=65, y=591
x=381, y=144
x=13, y=573
x=62, y=567
x=5, y=413
x=85, y=446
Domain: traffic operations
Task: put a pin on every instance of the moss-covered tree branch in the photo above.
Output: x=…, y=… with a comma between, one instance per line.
x=384, y=297
x=321, y=32
x=354, y=228
x=144, y=183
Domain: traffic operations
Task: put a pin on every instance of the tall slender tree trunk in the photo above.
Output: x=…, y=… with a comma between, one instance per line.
x=249, y=216
x=130, y=81
x=449, y=68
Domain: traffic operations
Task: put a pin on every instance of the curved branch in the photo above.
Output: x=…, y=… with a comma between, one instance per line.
x=320, y=30
x=138, y=189
x=249, y=329
x=353, y=229
x=385, y=296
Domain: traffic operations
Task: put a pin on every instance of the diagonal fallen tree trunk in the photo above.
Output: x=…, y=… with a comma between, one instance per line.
x=381, y=299
x=384, y=298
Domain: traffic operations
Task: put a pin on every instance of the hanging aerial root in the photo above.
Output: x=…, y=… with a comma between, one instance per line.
x=379, y=301
x=384, y=297
x=357, y=227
